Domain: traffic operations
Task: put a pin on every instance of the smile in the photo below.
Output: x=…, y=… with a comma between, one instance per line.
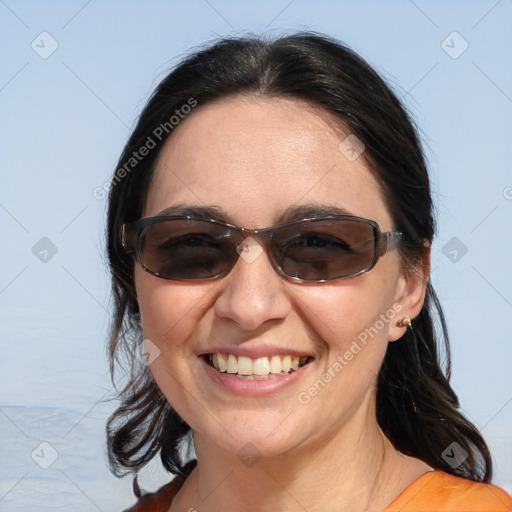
x=256, y=376
x=258, y=368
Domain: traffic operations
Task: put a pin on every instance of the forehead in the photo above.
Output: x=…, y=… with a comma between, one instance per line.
x=255, y=158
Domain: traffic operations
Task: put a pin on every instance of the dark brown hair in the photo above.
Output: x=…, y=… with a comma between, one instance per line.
x=416, y=407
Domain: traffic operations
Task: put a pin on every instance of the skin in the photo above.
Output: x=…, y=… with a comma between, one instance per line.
x=253, y=158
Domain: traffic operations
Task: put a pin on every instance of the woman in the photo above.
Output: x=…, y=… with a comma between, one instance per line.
x=296, y=356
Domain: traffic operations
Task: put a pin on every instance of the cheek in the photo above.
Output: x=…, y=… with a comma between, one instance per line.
x=169, y=310
x=350, y=317
x=350, y=323
x=171, y=313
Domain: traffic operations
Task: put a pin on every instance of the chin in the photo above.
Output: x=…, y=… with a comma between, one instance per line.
x=250, y=442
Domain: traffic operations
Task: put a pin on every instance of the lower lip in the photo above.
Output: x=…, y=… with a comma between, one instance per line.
x=253, y=387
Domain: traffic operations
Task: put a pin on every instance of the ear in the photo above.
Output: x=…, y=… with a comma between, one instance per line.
x=410, y=294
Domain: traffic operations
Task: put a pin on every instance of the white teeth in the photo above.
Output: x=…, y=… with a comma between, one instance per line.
x=275, y=365
x=232, y=367
x=260, y=366
x=221, y=361
x=244, y=365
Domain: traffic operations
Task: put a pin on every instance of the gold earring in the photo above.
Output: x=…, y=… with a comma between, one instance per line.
x=404, y=322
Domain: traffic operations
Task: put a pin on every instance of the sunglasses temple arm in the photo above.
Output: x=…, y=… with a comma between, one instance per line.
x=127, y=239
x=123, y=236
x=389, y=240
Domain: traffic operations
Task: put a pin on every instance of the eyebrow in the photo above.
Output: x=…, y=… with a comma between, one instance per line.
x=292, y=213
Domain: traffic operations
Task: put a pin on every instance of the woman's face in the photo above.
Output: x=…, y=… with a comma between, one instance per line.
x=253, y=159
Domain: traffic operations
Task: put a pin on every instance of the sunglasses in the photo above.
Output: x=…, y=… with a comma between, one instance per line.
x=188, y=248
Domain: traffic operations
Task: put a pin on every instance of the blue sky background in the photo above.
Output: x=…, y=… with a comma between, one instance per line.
x=64, y=119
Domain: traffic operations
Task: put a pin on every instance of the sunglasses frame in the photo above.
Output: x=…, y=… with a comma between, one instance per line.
x=131, y=234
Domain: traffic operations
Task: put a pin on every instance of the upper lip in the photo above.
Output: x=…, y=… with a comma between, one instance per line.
x=255, y=352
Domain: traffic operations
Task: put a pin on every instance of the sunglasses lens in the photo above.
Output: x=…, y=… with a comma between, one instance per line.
x=325, y=249
x=186, y=249
x=313, y=250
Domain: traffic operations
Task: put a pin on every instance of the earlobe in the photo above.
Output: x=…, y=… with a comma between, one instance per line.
x=411, y=291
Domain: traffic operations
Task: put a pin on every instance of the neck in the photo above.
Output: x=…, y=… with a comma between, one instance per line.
x=354, y=471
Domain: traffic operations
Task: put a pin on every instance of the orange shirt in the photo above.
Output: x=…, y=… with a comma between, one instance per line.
x=435, y=491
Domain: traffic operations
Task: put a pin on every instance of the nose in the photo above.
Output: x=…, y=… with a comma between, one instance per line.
x=253, y=293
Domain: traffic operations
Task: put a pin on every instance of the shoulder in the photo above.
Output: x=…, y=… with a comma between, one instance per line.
x=158, y=501
x=442, y=492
